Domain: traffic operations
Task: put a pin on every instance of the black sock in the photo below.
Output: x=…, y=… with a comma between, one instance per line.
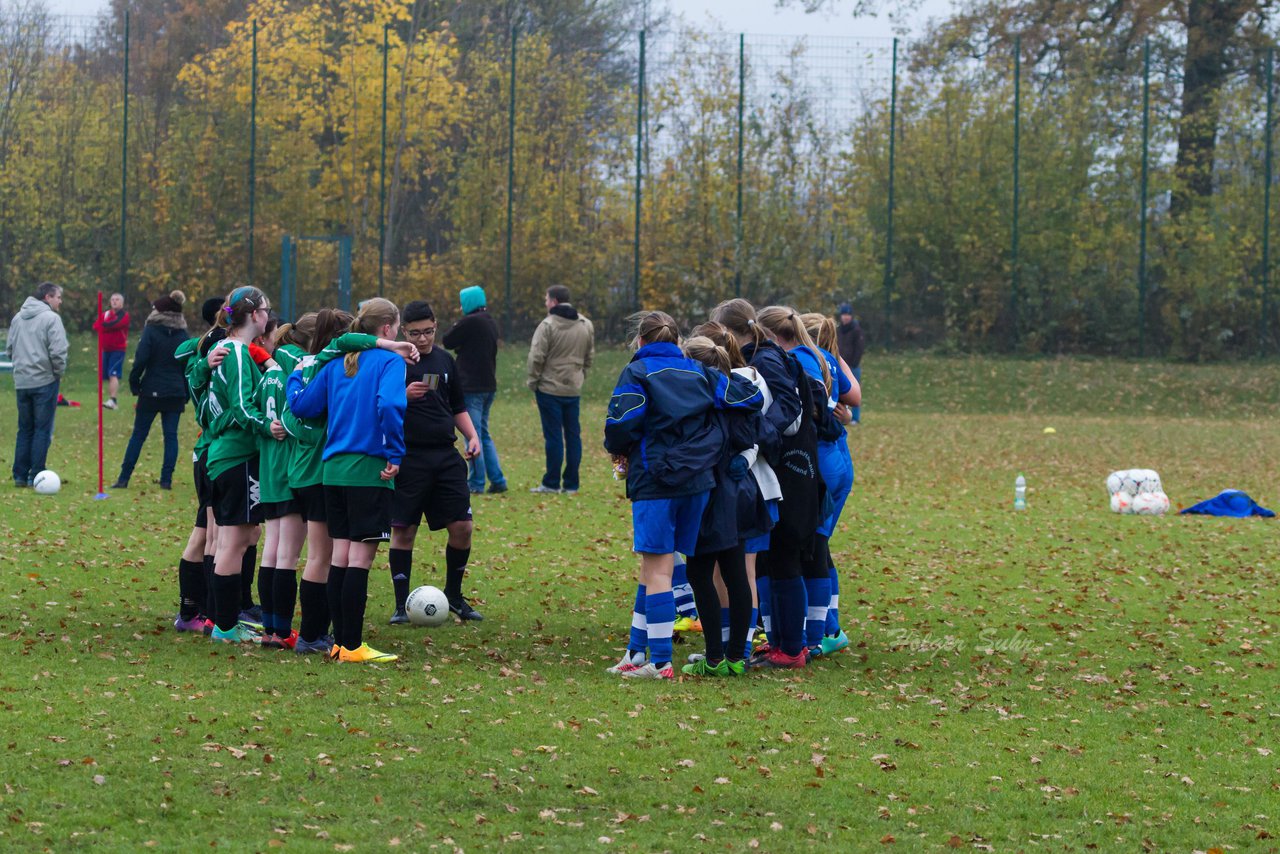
x=455, y=564
x=247, y=563
x=266, y=583
x=191, y=594
x=226, y=596
x=401, y=561
x=355, y=593
x=284, y=596
x=333, y=594
x=210, y=606
x=315, y=610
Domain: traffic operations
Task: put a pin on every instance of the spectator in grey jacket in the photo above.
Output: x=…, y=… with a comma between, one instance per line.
x=559, y=358
x=38, y=348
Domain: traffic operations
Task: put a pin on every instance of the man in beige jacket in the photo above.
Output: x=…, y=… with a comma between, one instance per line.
x=559, y=358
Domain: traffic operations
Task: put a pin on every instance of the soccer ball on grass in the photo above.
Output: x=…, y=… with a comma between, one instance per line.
x=47, y=483
x=427, y=606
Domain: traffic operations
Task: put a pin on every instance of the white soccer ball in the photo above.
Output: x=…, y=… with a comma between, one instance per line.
x=1151, y=504
x=47, y=483
x=1114, y=481
x=1129, y=483
x=1150, y=482
x=1122, y=502
x=427, y=606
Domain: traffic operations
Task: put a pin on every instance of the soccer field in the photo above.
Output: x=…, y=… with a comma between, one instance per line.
x=1062, y=678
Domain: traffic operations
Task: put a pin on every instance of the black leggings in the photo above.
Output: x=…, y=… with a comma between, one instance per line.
x=733, y=570
x=819, y=564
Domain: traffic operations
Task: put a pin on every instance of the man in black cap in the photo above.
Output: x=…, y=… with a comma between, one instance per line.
x=850, y=338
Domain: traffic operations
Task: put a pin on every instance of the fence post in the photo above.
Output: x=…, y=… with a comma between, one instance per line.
x=382, y=170
x=511, y=173
x=635, y=268
x=742, y=93
x=124, y=166
x=253, y=143
x=1017, y=133
x=1142, y=227
x=888, y=238
x=1263, y=338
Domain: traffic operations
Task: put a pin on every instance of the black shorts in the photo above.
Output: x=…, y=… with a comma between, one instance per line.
x=280, y=509
x=310, y=502
x=358, y=513
x=204, y=489
x=235, y=495
x=433, y=484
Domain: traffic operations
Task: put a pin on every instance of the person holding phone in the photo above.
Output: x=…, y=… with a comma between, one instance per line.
x=433, y=477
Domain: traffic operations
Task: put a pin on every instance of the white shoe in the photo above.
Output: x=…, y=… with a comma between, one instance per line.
x=544, y=490
x=626, y=665
x=649, y=671
x=110, y=403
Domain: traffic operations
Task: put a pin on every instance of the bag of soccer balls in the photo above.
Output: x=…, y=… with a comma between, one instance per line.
x=1137, y=491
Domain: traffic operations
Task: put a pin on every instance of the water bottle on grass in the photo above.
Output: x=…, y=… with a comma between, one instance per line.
x=1020, y=493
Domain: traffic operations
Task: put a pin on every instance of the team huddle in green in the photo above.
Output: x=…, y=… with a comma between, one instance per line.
x=327, y=432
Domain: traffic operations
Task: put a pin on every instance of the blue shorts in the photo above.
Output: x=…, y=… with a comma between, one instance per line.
x=112, y=363
x=755, y=545
x=667, y=525
x=836, y=466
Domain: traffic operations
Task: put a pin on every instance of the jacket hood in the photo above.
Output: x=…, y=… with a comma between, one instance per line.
x=167, y=320
x=472, y=299
x=564, y=310
x=33, y=307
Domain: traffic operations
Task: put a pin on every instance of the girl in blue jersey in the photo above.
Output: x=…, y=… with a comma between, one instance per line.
x=364, y=395
x=661, y=431
x=786, y=327
x=838, y=469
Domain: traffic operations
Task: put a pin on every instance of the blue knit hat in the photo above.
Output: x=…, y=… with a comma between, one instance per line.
x=472, y=298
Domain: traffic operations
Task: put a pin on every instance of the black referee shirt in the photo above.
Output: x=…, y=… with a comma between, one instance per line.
x=428, y=421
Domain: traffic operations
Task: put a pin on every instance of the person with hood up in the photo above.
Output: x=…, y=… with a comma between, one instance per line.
x=160, y=384
x=38, y=348
x=559, y=358
x=475, y=339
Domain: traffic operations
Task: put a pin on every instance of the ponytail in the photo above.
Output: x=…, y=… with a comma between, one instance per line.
x=722, y=337
x=374, y=314
x=708, y=352
x=783, y=322
x=739, y=317
x=330, y=323
x=654, y=327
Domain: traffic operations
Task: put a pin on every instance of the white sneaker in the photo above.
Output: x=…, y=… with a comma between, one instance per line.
x=649, y=671
x=544, y=490
x=110, y=403
x=695, y=657
x=626, y=665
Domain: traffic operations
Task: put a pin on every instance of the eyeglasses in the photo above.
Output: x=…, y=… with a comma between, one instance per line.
x=420, y=333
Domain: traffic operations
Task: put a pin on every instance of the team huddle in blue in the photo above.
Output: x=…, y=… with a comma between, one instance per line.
x=733, y=446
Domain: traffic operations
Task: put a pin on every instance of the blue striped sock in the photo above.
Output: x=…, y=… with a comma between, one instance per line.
x=639, y=641
x=764, y=593
x=818, y=592
x=833, y=610
x=683, y=593
x=660, y=611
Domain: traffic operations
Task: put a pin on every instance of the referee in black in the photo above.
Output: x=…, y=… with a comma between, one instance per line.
x=433, y=478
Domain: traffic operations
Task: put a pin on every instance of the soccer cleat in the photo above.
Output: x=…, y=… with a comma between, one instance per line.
x=109, y=403
x=544, y=490
x=687, y=624
x=626, y=665
x=320, y=645
x=192, y=624
x=399, y=618
x=651, y=671
x=696, y=656
x=275, y=641
x=835, y=644
x=461, y=608
x=779, y=660
x=253, y=617
x=239, y=633
x=702, y=668
x=208, y=626
x=364, y=654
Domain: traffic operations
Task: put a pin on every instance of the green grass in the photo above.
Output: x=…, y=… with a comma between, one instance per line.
x=1062, y=678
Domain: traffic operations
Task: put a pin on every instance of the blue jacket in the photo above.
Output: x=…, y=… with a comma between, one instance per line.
x=774, y=365
x=661, y=416
x=368, y=409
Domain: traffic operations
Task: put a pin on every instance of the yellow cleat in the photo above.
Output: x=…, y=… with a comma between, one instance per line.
x=365, y=654
x=686, y=624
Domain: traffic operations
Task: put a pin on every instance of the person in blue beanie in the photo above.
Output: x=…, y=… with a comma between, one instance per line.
x=474, y=338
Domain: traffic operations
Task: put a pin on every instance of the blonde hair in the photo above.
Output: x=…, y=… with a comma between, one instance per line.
x=719, y=335
x=784, y=324
x=821, y=329
x=739, y=317
x=374, y=314
x=708, y=352
x=654, y=327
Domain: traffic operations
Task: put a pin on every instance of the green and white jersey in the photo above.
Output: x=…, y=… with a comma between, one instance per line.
x=197, y=386
x=305, y=465
x=235, y=420
x=274, y=454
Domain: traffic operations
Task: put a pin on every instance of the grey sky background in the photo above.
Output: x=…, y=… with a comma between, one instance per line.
x=749, y=16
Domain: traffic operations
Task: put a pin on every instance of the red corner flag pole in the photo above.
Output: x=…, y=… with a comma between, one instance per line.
x=101, y=492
